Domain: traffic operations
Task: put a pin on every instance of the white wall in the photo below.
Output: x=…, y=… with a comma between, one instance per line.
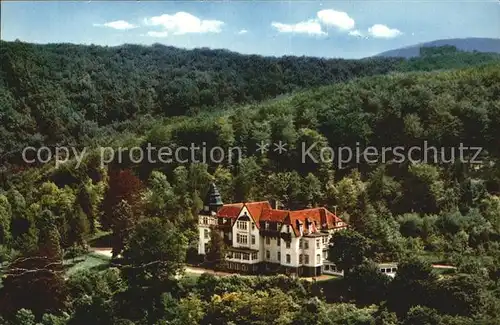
x=273, y=248
x=202, y=226
x=251, y=230
x=293, y=250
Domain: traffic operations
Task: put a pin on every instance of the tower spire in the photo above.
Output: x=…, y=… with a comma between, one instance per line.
x=213, y=200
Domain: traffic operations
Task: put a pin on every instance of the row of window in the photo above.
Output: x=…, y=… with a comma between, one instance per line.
x=244, y=256
x=243, y=225
x=243, y=239
x=303, y=259
x=268, y=256
x=303, y=243
x=206, y=221
x=332, y=268
x=278, y=242
x=278, y=226
x=389, y=270
x=237, y=266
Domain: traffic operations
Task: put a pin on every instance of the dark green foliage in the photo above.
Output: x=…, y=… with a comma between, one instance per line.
x=156, y=251
x=216, y=254
x=366, y=284
x=412, y=286
x=348, y=249
x=133, y=95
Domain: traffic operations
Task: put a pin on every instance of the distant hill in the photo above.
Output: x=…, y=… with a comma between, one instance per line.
x=67, y=93
x=485, y=45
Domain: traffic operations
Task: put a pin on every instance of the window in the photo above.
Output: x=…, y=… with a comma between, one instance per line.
x=205, y=220
x=206, y=234
x=253, y=239
x=287, y=244
x=306, y=259
x=301, y=243
x=246, y=256
x=278, y=242
x=206, y=247
x=279, y=256
x=325, y=254
x=268, y=241
x=278, y=226
x=327, y=267
x=306, y=244
x=268, y=255
x=237, y=255
x=318, y=259
x=288, y=258
x=382, y=270
x=287, y=228
x=254, y=256
x=242, y=239
x=266, y=225
x=318, y=244
x=300, y=259
x=242, y=225
x=253, y=226
x=394, y=270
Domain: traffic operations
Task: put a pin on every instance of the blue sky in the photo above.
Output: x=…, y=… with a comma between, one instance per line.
x=348, y=29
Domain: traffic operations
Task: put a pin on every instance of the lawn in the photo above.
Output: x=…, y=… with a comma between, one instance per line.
x=89, y=261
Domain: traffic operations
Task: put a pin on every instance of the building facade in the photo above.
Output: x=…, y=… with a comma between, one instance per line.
x=261, y=238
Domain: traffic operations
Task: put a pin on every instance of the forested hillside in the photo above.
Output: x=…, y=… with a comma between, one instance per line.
x=443, y=211
x=64, y=93
x=470, y=44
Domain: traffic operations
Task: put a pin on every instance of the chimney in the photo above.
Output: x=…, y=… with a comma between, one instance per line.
x=322, y=214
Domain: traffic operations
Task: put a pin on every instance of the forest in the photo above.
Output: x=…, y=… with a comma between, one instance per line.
x=419, y=214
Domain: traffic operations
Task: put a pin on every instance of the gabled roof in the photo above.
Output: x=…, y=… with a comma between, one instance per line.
x=262, y=211
x=230, y=210
x=320, y=216
x=256, y=210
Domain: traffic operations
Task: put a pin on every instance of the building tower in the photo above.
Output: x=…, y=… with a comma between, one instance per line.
x=213, y=200
x=207, y=217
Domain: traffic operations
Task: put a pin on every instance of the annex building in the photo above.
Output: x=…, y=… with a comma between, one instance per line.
x=261, y=238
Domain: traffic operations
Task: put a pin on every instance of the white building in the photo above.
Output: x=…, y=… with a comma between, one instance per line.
x=260, y=238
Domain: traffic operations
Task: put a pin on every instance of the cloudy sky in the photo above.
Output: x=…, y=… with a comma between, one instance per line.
x=349, y=29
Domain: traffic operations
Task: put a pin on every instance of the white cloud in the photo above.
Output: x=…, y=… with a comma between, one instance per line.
x=243, y=31
x=356, y=33
x=117, y=24
x=310, y=27
x=382, y=31
x=157, y=34
x=338, y=19
x=183, y=23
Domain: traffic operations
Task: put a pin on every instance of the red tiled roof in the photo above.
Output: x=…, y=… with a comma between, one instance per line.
x=256, y=210
x=263, y=211
x=230, y=210
x=273, y=215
